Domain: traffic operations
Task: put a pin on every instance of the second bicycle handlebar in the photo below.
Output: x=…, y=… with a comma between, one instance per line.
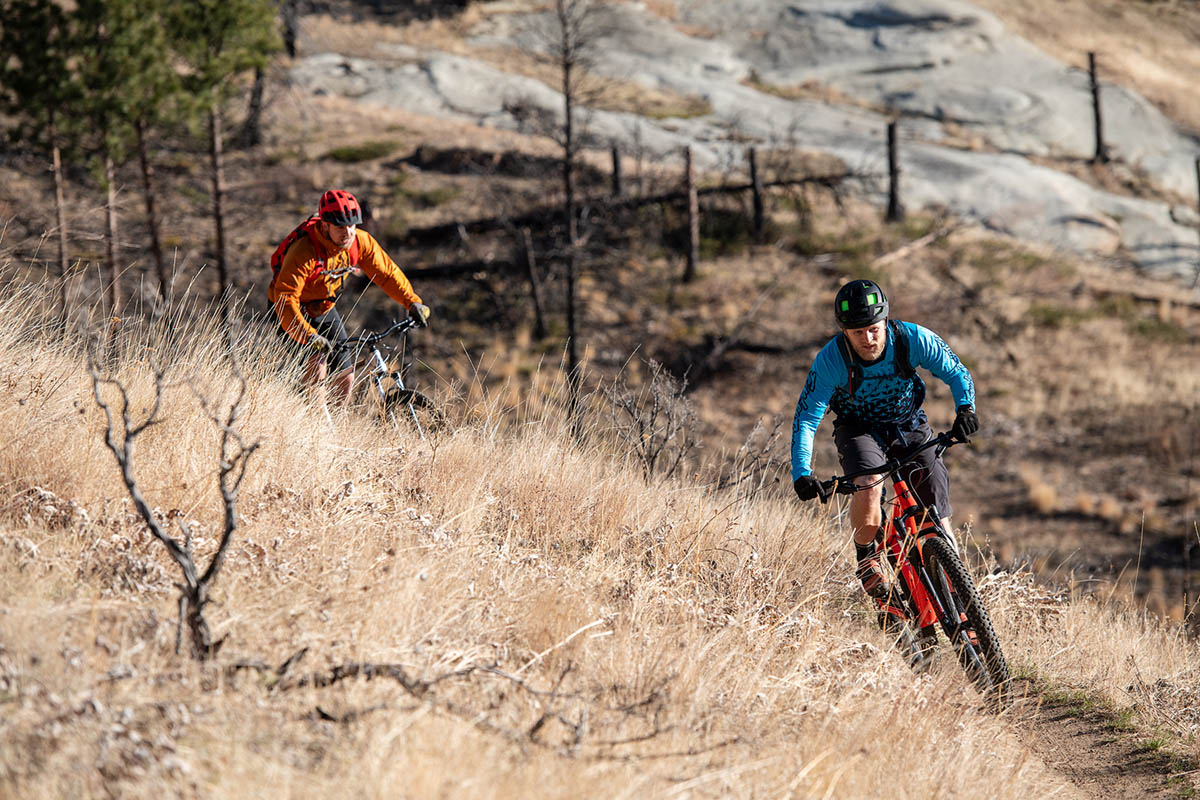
x=371, y=338
x=844, y=484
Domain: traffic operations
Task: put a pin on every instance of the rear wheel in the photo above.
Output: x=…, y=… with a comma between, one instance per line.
x=408, y=406
x=969, y=627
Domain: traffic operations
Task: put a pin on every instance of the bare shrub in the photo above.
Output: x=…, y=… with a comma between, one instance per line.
x=120, y=435
x=754, y=462
x=1042, y=495
x=656, y=421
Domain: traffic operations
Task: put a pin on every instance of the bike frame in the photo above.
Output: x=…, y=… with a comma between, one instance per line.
x=903, y=534
x=927, y=597
x=377, y=368
x=910, y=525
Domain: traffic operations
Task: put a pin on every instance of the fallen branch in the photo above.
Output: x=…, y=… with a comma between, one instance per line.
x=900, y=252
x=549, y=215
x=321, y=714
x=355, y=669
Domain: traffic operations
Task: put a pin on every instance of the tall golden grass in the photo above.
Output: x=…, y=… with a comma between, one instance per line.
x=567, y=627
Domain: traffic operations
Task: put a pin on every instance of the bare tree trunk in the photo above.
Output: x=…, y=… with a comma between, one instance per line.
x=568, y=55
x=895, y=210
x=618, y=183
x=1101, y=154
x=218, y=199
x=251, y=133
x=1196, y=278
x=756, y=189
x=60, y=213
x=693, y=218
x=290, y=26
x=110, y=238
x=156, y=251
x=539, y=321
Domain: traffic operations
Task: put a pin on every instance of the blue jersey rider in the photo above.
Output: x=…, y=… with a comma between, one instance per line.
x=866, y=374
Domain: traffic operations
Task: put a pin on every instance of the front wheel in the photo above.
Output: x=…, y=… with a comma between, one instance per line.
x=409, y=405
x=968, y=627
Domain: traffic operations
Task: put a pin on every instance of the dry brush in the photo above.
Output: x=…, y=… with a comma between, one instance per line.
x=507, y=613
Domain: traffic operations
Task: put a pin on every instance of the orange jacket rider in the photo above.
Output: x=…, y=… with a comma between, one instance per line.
x=307, y=286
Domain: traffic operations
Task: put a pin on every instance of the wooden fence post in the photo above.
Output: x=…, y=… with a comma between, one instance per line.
x=1101, y=156
x=895, y=211
x=693, y=211
x=539, y=321
x=756, y=188
x=618, y=188
x=1196, y=278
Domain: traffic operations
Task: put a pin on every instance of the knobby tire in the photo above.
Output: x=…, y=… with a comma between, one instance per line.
x=942, y=562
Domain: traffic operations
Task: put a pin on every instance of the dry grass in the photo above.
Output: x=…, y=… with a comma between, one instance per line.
x=657, y=640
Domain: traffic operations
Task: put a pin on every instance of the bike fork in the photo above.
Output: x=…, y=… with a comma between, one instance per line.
x=412, y=409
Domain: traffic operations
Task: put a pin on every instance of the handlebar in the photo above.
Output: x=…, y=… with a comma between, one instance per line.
x=371, y=338
x=844, y=484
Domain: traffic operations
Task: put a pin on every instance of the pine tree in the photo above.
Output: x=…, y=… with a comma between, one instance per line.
x=116, y=59
x=36, y=87
x=152, y=97
x=218, y=40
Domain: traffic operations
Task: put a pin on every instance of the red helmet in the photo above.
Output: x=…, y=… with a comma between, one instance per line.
x=340, y=208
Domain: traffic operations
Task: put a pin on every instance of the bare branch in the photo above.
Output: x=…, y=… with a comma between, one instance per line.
x=350, y=716
x=123, y=452
x=234, y=457
x=753, y=460
x=656, y=421
x=356, y=669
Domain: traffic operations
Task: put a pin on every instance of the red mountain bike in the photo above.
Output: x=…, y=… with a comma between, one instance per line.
x=933, y=589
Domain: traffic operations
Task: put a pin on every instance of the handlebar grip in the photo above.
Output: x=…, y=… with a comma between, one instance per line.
x=836, y=486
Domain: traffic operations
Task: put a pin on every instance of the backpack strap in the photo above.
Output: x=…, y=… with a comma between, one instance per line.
x=303, y=229
x=904, y=365
x=306, y=228
x=853, y=367
x=854, y=371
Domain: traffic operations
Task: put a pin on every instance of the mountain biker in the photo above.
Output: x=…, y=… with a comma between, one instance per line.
x=867, y=375
x=310, y=266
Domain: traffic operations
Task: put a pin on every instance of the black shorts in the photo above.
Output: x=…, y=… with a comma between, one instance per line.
x=330, y=326
x=862, y=448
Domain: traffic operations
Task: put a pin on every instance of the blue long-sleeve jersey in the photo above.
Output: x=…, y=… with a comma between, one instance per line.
x=885, y=394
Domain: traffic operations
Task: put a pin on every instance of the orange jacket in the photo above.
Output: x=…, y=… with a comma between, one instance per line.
x=296, y=292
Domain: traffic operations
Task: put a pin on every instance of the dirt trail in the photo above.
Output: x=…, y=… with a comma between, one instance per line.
x=1099, y=757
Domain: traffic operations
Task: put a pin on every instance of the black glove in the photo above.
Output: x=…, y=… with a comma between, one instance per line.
x=965, y=422
x=807, y=487
x=319, y=343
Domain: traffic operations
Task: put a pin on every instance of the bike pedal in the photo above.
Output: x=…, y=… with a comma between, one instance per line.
x=927, y=638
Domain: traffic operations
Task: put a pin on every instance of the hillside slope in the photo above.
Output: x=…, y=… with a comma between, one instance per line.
x=545, y=621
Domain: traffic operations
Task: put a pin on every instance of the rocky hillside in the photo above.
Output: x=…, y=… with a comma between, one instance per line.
x=995, y=130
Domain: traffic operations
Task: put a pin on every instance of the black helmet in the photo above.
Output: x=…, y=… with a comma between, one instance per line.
x=859, y=304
